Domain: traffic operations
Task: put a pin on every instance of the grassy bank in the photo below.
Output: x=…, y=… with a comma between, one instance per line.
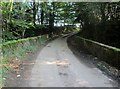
x=13, y=52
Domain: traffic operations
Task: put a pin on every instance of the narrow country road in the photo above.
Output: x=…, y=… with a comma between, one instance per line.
x=57, y=66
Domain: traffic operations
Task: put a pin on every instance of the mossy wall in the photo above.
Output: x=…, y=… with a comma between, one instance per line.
x=106, y=53
x=19, y=49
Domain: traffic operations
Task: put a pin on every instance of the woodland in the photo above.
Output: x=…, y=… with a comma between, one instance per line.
x=99, y=21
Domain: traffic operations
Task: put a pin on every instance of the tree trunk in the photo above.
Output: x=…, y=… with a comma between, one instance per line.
x=34, y=12
x=51, y=20
x=42, y=15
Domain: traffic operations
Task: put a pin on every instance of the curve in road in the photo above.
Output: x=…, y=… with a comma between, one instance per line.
x=57, y=66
